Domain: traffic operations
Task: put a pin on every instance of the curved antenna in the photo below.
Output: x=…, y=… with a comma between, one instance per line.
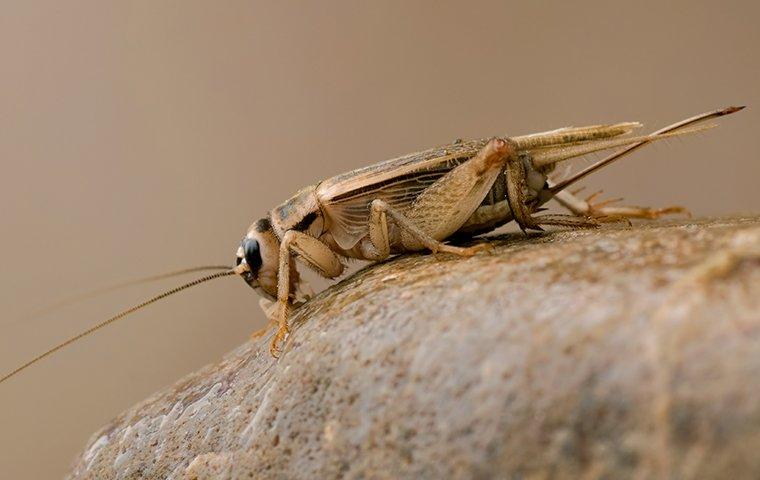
x=611, y=158
x=80, y=297
x=117, y=317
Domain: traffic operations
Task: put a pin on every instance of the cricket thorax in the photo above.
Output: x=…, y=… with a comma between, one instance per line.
x=301, y=212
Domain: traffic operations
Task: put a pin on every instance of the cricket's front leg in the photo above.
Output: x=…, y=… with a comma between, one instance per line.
x=605, y=210
x=315, y=254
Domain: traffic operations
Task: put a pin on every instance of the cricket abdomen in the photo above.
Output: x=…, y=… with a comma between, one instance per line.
x=493, y=211
x=486, y=218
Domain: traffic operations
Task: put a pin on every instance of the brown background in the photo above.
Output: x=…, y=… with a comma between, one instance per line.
x=138, y=137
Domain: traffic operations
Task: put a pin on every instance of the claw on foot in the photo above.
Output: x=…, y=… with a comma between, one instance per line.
x=604, y=211
x=467, y=251
x=275, y=348
x=645, y=213
x=654, y=213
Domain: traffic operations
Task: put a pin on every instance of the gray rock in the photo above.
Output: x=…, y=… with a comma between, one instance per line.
x=616, y=353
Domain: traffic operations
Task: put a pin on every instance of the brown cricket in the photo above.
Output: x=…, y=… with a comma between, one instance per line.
x=417, y=202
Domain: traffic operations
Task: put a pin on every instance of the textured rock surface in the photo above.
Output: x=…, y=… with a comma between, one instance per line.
x=616, y=353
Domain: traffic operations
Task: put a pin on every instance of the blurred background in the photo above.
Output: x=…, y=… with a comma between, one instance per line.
x=138, y=137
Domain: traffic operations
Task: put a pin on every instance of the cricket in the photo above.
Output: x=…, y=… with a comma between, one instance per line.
x=419, y=202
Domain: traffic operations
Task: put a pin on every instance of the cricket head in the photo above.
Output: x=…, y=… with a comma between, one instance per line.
x=258, y=258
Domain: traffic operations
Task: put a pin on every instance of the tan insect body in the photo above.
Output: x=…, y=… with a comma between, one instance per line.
x=419, y=201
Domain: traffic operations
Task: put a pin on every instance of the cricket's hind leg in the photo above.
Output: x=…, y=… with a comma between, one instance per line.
x=524, y=203
x=441, y=209
x=606, y=210
x=380, y=212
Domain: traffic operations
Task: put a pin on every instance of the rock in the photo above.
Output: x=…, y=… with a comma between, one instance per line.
x=615, y=353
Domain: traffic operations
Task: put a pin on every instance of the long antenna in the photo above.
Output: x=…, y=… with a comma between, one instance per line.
x=611, y=158
x=116, y=317
x=74, y=299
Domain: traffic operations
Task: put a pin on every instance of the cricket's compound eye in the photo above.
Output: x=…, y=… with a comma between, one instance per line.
x=252, y=254
x=258, y=258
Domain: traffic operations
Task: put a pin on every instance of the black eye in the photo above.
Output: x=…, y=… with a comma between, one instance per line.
x=252, y=253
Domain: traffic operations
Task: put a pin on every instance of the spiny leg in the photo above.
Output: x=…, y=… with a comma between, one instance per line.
x=605, y=211
x=552, y=151
x=586, y=213
x=523, y=206
x=315, y=254
x=517, y=196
